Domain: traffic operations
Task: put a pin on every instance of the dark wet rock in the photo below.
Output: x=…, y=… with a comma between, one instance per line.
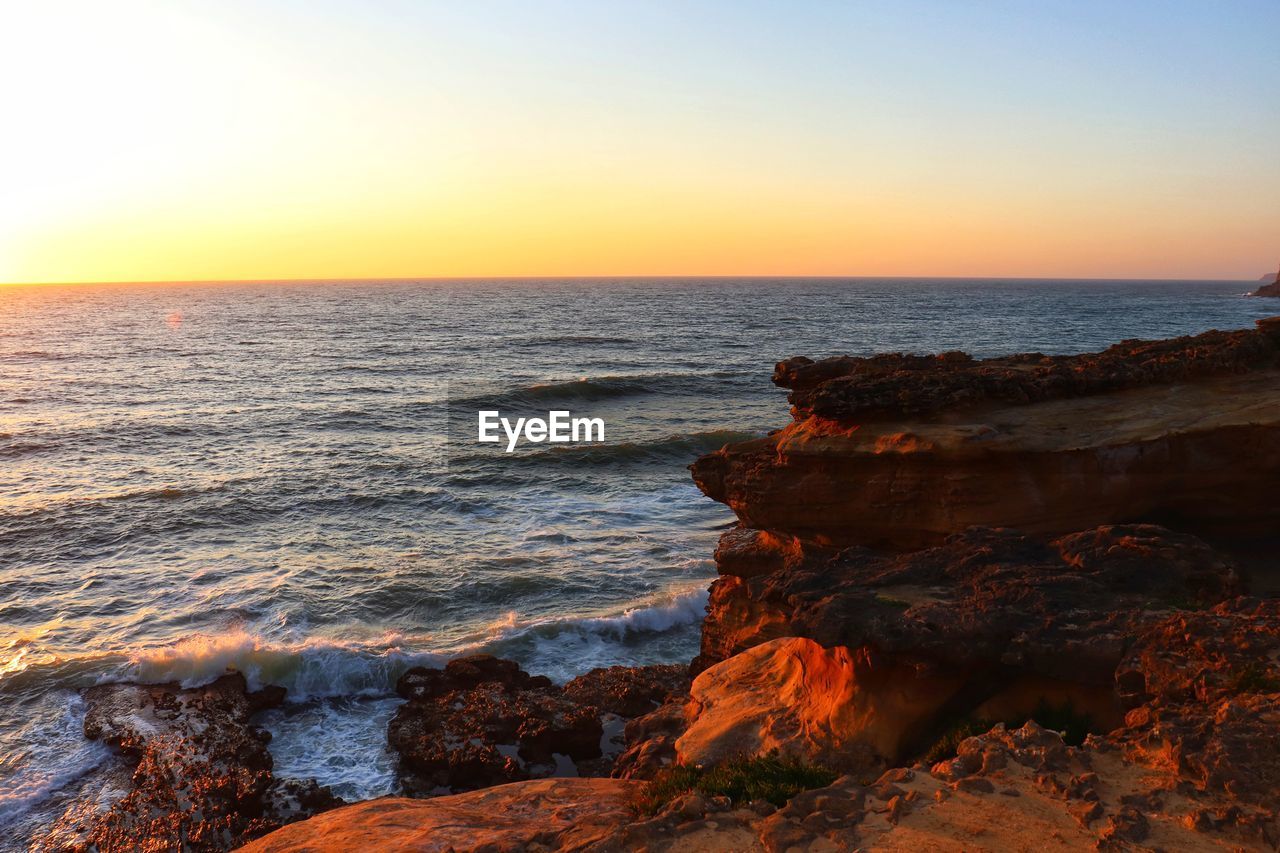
x=483, y=721
x=651, y=741
x=629, y=691
x=425, y=683
x=203, y=775
x=984, y=597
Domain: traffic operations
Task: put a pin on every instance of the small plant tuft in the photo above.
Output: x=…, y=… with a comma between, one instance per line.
x=946, y=746
x=767, y=777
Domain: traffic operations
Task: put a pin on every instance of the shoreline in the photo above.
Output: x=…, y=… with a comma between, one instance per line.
x=969, y=627
x=318, y=675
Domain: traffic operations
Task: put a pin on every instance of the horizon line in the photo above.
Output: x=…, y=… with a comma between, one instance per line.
x=611, y=277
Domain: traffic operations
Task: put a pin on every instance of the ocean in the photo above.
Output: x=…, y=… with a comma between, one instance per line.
x=282, y=478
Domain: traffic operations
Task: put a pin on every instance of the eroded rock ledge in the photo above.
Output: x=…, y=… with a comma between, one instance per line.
x=901, y=451
x=885, y=387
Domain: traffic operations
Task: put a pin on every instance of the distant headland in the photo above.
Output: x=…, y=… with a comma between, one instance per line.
x=1272, y=289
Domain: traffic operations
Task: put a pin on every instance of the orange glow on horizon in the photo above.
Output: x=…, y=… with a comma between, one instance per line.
x=163, y=145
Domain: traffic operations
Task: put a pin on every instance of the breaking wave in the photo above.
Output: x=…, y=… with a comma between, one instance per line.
x=310, y=669
x=318, y=668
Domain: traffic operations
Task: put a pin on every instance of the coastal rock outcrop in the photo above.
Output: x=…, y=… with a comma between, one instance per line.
x=1272, y=289
x=202, y=778
x=835, y=706
x=985, y=598
x=1007, y=599
x=902, y=451
x=992, y=625
x=629, y=691
x=483, y=721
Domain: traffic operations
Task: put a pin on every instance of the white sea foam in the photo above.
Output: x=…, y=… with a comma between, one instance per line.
x=316, y=668
x=340, y=742
x=54, y=753
x=308, y=669
x=334, y=726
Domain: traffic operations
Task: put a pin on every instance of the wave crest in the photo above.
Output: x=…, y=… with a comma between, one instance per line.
x=312, y=669
x=320, y=668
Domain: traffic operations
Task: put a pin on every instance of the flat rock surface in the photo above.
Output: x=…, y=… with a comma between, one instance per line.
x=561, y=814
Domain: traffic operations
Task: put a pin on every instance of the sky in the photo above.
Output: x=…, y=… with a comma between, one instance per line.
x=269, y=140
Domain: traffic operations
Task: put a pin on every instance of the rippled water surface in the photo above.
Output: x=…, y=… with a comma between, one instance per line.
x=277, y=477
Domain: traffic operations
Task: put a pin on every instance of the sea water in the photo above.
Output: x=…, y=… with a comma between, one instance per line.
x=283, y=479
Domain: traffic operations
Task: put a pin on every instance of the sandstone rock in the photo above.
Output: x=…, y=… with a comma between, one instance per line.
x=830, y=706
x=203, y=777
x=984, y=598
x=993, y=625
x=903, y=451
x=548, y=814
x=881, y=387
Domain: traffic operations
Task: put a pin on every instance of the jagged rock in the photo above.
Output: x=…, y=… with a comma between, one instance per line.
x=903, y=451
x=629, y=691
x=1204, y=656
x=425, y=683
x=651, y=741
x=985, y=598
x=1209, y=684
x=483, y=721
x=547, y=814
x=992, y=625
x=202, y=779
x=883, y=387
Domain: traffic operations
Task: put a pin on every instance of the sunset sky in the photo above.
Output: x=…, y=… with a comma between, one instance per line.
x=233, y=140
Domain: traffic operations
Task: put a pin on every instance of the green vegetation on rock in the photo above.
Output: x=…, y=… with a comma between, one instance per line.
x=767, y=777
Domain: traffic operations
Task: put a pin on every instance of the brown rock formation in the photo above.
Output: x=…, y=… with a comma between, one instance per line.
x=901, y=451
x=835, y=706
x=888, y=387
x=932, y=546
x=1272, y=289
x=483, y=721
x=548, y=814
x=202, y=779
x=629, y=691
x=651, y=741
x=991, y=625
x=984, y=599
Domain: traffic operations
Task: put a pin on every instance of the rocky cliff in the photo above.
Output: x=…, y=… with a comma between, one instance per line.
x=969, y=605
x=1272, y=289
